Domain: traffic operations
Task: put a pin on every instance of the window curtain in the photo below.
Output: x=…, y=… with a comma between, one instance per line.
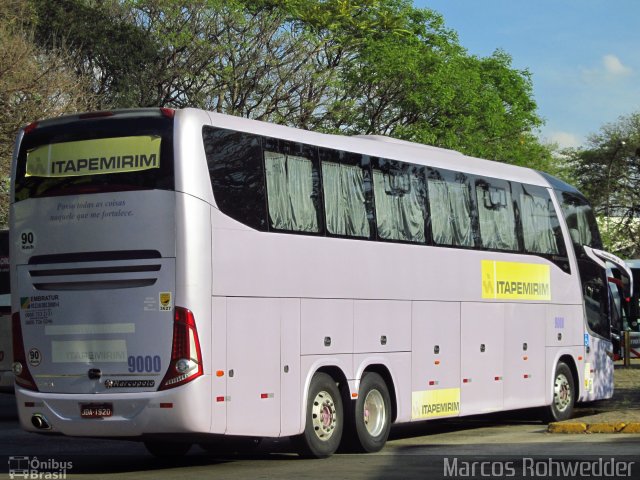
x=344, y=200
x=449, y=203
x=536, y=214
x=400, y=214
x=497, y=223
x=290, y=192
x=582, y=224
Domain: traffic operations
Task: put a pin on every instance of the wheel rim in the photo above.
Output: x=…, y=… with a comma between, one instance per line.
x=324, y=416
x=562, y=393
x=374, y=413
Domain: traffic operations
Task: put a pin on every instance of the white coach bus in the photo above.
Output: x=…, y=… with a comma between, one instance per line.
x=184, y=276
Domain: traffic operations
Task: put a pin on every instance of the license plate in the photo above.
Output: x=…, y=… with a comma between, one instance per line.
x=96, y=410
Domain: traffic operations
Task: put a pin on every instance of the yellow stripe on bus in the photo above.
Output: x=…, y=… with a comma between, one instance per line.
x=443, y=402
x=515, y=281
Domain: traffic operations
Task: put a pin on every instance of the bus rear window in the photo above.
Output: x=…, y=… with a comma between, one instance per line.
x=97, y=155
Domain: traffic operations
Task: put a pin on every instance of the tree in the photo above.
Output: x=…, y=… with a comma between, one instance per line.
x=33, y=85
x=104, y=46
x=607, y=170
x=352, y=67
x=376, y=67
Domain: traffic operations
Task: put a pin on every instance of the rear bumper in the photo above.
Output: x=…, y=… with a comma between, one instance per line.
x=185, y=409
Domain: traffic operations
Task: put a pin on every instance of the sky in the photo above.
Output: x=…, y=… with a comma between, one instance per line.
x=584, y=55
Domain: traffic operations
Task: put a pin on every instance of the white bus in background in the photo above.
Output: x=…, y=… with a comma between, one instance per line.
x=6, y=344
x=189, y=277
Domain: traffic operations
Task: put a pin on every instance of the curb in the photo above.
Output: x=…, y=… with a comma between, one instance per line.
x=599, y=427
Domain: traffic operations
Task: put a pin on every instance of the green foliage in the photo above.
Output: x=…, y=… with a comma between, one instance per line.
x=341, y=66
x=33, y=85
x=117, y=55
x=607, y=171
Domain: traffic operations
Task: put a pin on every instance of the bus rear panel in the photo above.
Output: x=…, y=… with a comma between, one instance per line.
x=95, y=315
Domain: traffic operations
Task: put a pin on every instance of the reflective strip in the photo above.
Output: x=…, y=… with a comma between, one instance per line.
x=90, y=329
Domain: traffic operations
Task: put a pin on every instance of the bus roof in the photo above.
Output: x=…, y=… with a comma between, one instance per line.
x=373, y=145
x=386, y=147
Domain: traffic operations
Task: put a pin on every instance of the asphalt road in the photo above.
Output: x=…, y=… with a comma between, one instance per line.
x=513, y=445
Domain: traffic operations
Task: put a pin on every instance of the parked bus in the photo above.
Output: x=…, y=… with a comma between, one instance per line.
x=184, y=276
x=6, y=347
x=629, y=319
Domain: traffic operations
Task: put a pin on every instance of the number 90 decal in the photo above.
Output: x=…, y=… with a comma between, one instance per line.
x=146, y=364
x=27, y=241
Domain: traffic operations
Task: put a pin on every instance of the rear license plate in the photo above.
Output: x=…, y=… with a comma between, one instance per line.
x=96, y=410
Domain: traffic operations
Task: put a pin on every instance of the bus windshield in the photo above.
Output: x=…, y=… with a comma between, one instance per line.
x=96, y=155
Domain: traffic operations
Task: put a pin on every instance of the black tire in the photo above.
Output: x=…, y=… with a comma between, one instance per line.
x=564, y=394
x=372, y=414
x=167, y=450
x=324, y=419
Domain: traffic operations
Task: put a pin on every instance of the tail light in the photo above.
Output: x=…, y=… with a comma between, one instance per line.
x=186, y=358
x=168, y=112
x=30, y=128
x=20, y=367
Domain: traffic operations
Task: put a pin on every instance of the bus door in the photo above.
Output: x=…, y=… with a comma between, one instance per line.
x=596, y=371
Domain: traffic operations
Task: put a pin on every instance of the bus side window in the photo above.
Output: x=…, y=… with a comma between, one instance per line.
x=450, y=208
x=496, y=215
x=293, y=186
x=346, y=184
x=235, y=167
x=539, y=222
x=580, y=220
x=400, y=198
x=596, y=297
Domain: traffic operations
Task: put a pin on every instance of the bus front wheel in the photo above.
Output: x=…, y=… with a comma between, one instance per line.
x=564, y=394
x=324, y=418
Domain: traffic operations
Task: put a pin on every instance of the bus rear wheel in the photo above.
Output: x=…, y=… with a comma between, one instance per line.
x=324, y=419
x=372, y=414
x=564, y=394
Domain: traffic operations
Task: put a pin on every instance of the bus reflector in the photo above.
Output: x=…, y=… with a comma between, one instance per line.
x=186, y=358
x=220, y=373
x=219, y=399
x=166, y=405
x=20, y=367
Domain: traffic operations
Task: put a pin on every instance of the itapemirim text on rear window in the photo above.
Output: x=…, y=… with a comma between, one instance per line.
x=94, y=157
